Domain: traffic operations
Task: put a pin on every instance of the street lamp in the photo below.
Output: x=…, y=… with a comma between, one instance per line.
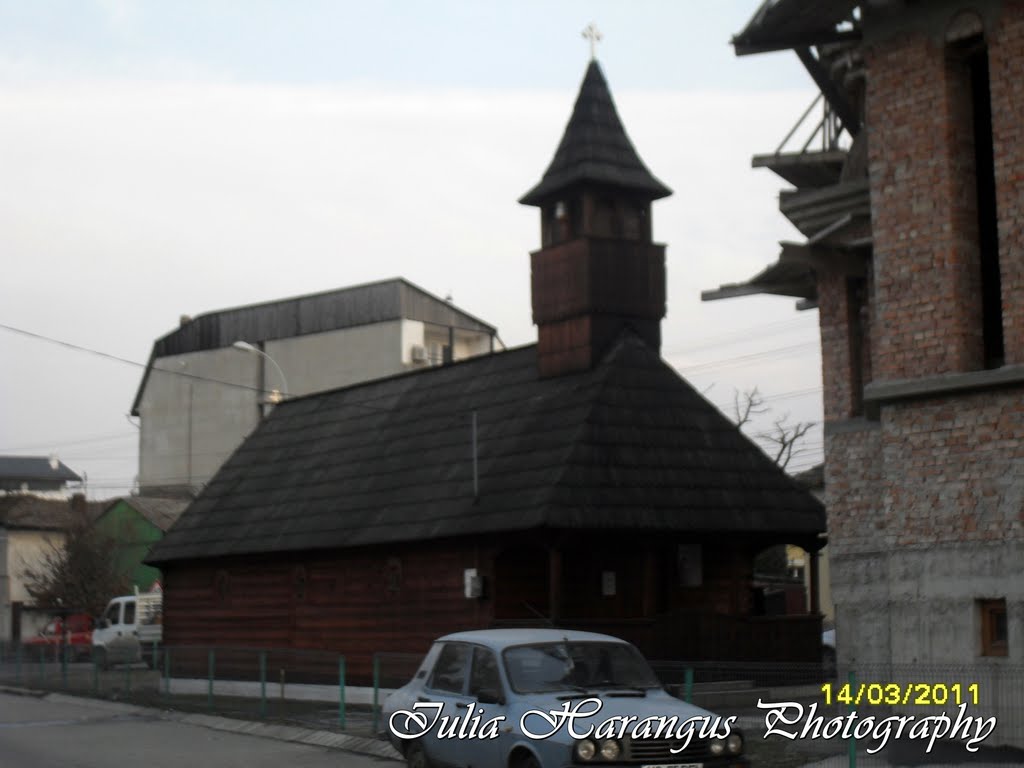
x=276, y=396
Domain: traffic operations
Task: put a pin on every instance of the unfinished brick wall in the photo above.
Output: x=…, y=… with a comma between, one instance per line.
x=853, y=471
x=926, y=495
x=954, y=469
x=1006, y=68
x=923, y=215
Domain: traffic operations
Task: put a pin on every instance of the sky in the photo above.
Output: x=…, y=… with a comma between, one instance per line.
x=162, y=159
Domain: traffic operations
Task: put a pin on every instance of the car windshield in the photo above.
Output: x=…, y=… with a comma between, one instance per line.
x=574, y=666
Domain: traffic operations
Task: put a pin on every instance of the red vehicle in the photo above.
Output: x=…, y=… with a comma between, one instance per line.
x=74, y=631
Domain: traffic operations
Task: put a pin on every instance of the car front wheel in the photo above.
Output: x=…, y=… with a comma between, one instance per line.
x=415, y=757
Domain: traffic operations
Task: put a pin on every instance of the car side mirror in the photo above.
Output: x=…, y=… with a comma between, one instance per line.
x=103, y=623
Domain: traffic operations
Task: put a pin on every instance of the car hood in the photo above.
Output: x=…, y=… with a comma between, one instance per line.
x=656, y=703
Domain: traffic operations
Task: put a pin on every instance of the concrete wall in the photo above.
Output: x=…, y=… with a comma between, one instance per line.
x=22, y=550
x=189, y=426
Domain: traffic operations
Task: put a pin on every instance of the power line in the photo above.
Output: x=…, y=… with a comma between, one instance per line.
x=744, y=359
x=54, y=444
x=772, y=398
x=746, y=334
x=137, y=364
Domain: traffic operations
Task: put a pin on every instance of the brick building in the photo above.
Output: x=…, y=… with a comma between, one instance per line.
x=909, y=194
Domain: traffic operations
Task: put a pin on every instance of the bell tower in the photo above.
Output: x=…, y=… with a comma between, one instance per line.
x=597, y=272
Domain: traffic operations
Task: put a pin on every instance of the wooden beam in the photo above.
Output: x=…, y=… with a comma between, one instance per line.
x=785, y=43
x=835, y=97
x=812, y=582
x=554, y=584
x=823, y=258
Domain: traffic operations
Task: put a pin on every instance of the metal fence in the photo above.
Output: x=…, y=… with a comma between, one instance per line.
x=308, y=688
x=825, y=706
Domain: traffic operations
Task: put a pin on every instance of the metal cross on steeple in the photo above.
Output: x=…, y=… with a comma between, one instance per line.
x=594, y=35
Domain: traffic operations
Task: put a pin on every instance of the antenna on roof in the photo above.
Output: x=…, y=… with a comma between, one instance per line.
x=476, y=474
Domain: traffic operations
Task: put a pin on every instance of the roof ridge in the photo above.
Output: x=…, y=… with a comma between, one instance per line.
x=605, y=368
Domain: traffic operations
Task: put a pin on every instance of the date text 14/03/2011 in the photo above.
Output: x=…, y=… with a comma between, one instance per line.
x=917, y=694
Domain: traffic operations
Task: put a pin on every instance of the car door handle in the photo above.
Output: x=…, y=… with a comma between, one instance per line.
x=465, y=705
x=422, y=699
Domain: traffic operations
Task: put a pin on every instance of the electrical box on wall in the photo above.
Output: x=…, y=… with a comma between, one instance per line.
x=690, y=564
x=608, y=584
x=473, y=583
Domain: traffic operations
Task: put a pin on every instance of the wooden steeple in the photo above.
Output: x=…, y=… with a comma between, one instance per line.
x=597, y=273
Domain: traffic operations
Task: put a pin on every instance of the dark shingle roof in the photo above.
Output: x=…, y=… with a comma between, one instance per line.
x=627, y=444
x=162, y=513
x=24, y=511
x=26, y=468
x=392, y=299
x=595, y=148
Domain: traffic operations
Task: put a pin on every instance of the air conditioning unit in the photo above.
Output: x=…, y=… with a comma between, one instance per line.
x=419, y=353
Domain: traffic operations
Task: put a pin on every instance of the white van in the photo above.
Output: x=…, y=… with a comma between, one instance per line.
x=128, y=628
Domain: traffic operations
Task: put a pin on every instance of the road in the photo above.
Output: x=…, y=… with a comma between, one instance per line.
x=38, y=733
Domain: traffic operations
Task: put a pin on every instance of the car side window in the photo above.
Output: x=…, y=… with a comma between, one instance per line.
x=129, y=613
x=485, y=678
x=114, y=614
x=450, y=669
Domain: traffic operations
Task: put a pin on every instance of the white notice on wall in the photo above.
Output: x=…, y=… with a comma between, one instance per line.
x=608, y=583
x=690, y=565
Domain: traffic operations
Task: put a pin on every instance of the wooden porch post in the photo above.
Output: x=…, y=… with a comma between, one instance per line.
x=651, y=586
x=812, y=583
x=554, y=584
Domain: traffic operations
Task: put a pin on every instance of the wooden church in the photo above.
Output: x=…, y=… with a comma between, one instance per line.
x=579, y=482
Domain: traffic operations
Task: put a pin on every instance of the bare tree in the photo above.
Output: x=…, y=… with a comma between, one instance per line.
x=81, y=574
x=782, y=439
x=781, y=444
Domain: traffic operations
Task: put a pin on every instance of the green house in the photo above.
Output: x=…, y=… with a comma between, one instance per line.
x=134, y=524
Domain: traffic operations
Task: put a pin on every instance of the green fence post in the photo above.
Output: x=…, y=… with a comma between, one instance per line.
x=376, y=690
x=210, y=665
x=688, y=686
x=852, y=679
x=341, y=691
x=17, y=665
x=167, y=671
x=95, y=678
x=156, y=658
x=263, y=684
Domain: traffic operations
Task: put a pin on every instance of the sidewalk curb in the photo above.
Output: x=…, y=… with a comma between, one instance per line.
x=22, y=692
x=343, y=742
